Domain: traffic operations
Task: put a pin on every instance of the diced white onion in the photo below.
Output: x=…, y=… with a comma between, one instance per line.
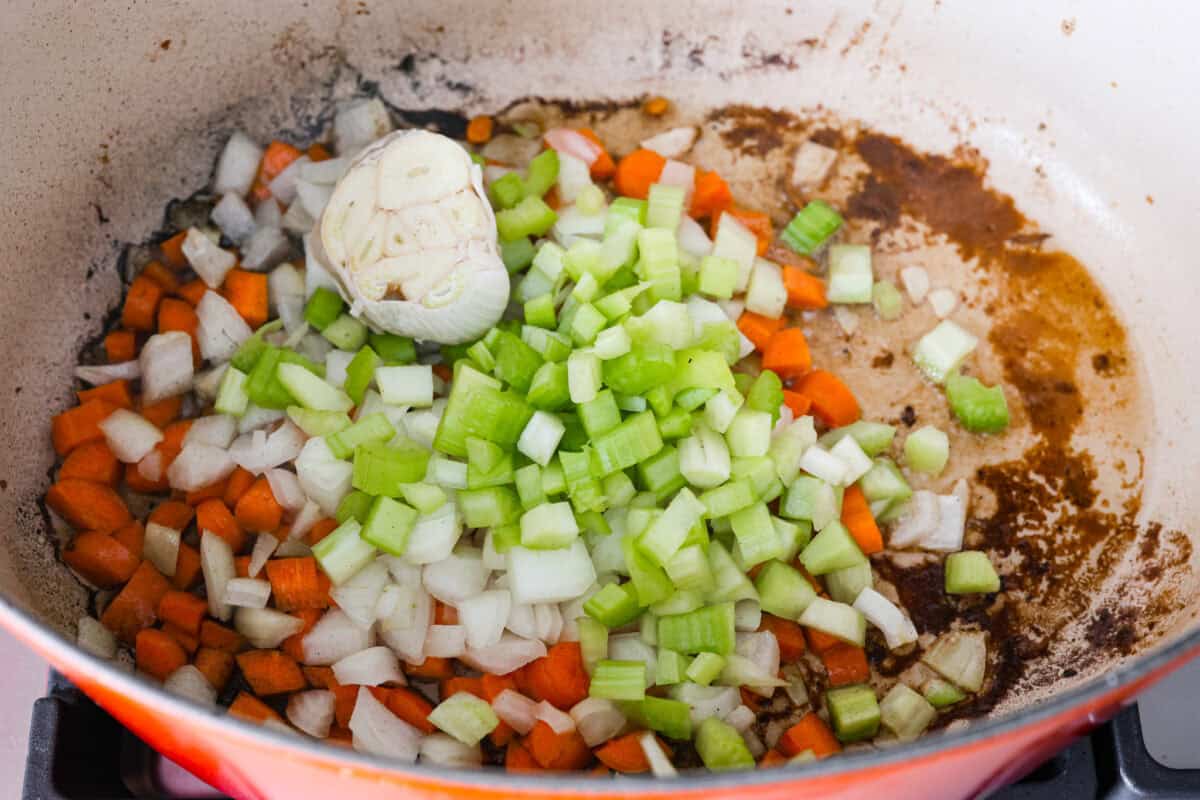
x=573, y=177
x=216, y=562
x=549, y=622
x=312, y=711
x=916, y=283
x=677, y=173
x=334, y=637
x=217, y=430
x=96, y=639
x=265, y=248
x=207, y=258
x=820, y=463
x=897, y=629
x=374, y=666
x=446, y=751
x=267, y=214
x=952, y=520
x=960, y=657
x=920, y=520
x=597, y=720
x=660, y=765
x=161, y=547
x=285, y=486
x=707, y=701
x=811, y=165
x=233, y=217
x=405, y=630
x=197, y=466
x=380, y=732
x=484, y=617
x=846, y=319
x=359, y=596
x=550, y=576
x=130, y=436
x=220, y=329
x=308, y=516
x=943, y=301
x=97, y=374
x=283, y=185
x=312, y=197
x=741, y=718
x=207, y=384
x=573, y=143
x=264, y=547
x=166, y=365
x=324, y=173
x=266, y=627
x=189, y=682
x=693, y=238
x=510, y=653
x=434, y=536
x=445, y=641
x=457, y=577
x=516, y=710
x=238, y=165
x=247, y=593
x=851, y=454
x=559, y=721
x=359, y=123
x=286, y=443
x=285, y=287
x=672, y=143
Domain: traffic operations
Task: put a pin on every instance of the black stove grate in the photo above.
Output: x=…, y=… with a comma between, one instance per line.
x=78, y=752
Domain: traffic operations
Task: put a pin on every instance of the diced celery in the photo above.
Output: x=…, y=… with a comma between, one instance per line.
x=749, y=433
x=311, y=391
x=507, y=190
x=943, y=350
x=884, y=482
x=343, y=552
x=887, y=300
x=479, y=410
x=757, y=539
x=625, y=209
x=360, y=372
x=517, y=254
x=728, y=498
x=600, y=414
x=681, y=602
x=583, y=376
x=811, y=227
x=649, y=579
x=872, y=437
x=705, y=668
x=814, y=500
x=783, y=591
x=794, y=536
x=667, y=534
x=850, y=276
x=516, y=361
x=971, y=572
x=831, y=549
x=980, y=409
x=844, y=585
x=705, y=630
x=641, y=369
x=346, y=333
x=231, y=393
x=836, y=619
x=688, y=569
x=355, y=505
x=718, y=743
x=765, y=293
x=612, y=343
x=766, y=394
x=489, y=507
x=664, y=206
x=927, y=449
x=506, y=537
x=619, y=489
x=424, y=497
x=540, y=437
x=718, y=276
x=392, y=348
x=721, y=408
x=548, y=526
x=660, y=473
x=323, y=308
x=530, y=217
x=614, y=605
x=540, y=311
x=941, y=693
x=371, y=429
x=549, y=389
x=671, y=718
x=388, y=525
x=529, y=485
x=737, y=243
x=465, y=717
x=381, y=470
x=618, y=680
x=541, y=173
x=906, y=713
x=632, y=442
x=593, y=642
x=854, y=712
x=675, y=425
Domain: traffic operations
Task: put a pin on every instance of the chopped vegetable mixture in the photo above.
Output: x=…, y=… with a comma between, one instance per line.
x=628, y=529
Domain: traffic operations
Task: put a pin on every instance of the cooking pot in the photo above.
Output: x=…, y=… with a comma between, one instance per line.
x=1081, y=113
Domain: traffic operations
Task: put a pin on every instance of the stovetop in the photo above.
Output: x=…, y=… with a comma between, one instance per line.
x=78, y=752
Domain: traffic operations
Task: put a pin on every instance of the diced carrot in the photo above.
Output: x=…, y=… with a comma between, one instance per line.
x=79, y=425
x=178, y=315
x=115, y=392
x=858, y=519
x=216, y=666
x=804, y=290
x=772, y=758
x=141, y=304
x=193, y=291
x=240, y=480
x=452, y=686
x=819, y=641
x=183, y=609
x=172, y=514
x=93, y=461
x=603, y=167
x=444, y=614
x=502, y=734
x=218, y=637
x=789, y=635
x=787, y=355
x=133, y=536
x=320, y=529
x=257, y=510
x=320, y=677
x=157, y=654
x=493, y=685
x=136, y=606
x=317, y=152
x=624, y=754
x=518, y=759
x=100, y=559
x=756, y=222
x=751, y=700
x=798, y=403
x=294, y=644
x=479, y=129
x=411, y=707
x=295, y=584
x=710, y=196
x=832, y=401
x=430, y=669
x=248, y=707
x=656, y=106
x=172, y=443
x=846, y=664
x=557, y=751
x=187, y=567
x=757, y=328
x=276, y=158
x=163, y=412
x=157, y=272
x=247, y=292
x=810, y=733
x=241, y=566
x=88, y=505
x=636, y=171
x=213, y=515
x=120, y=346
x=270, y=672
x=188, y=641
x=172, y=250
x=214, y=491
x=444, y=372
x=559, y=677
x=345, y=698
x=136, y=481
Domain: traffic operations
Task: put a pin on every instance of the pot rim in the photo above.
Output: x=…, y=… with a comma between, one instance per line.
x=60, y=650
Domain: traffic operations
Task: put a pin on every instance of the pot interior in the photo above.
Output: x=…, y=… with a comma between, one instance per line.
x=985, y=172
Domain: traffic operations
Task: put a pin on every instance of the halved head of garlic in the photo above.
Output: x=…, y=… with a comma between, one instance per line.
x=411, y=239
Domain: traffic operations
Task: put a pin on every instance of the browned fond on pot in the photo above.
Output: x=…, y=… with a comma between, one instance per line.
x=1057, y=500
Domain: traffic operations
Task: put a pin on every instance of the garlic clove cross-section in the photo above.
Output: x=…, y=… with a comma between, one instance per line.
x=411, y=239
